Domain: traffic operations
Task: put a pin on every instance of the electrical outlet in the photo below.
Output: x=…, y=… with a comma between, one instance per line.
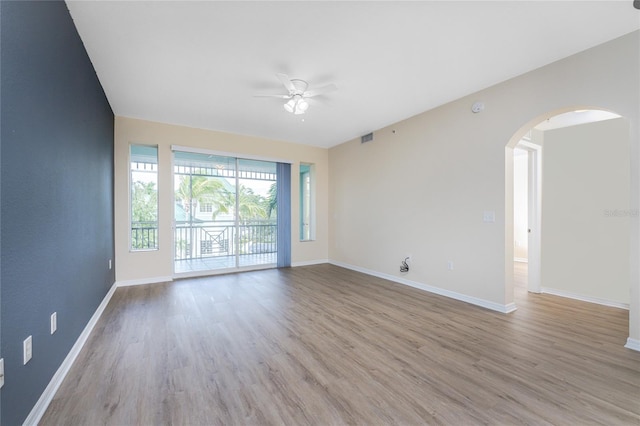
x=408, y=257
x=1, y=372
x=54, y=322
x=450, y=265
x=27, y=350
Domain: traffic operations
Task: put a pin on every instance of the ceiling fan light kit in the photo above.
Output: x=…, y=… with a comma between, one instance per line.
x=296, y=105
x=298, y=93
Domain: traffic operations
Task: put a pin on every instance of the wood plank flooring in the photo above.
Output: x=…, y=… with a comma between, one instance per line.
x=322, y=345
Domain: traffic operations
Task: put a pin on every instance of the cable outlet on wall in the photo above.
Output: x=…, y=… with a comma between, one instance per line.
x=27, y=350
x=54, y=322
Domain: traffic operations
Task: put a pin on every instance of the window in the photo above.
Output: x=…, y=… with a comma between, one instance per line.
x=206, y=207
x=144, y=197
x=307, y=202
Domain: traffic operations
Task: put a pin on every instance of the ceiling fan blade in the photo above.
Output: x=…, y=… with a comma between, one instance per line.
x=287, y=82
x=273, y=96
x=321, y=90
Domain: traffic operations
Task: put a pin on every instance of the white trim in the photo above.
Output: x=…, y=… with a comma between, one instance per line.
x=45, y=399
x=534, y=190
x=582, y=298
x=129, y=205
x=309, y=262
x=143, y=281
x=633, y=344
x=526, y=144
x=505, y=309
x=229, y=154
x=521, y=259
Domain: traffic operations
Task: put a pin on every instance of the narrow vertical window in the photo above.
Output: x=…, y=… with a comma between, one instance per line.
x=144, y=197
x=307, y=202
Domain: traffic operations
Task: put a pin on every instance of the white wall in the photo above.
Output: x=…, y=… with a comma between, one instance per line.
x=585, y=197
x=158, y=264
x=422, y=185
x=520, y=205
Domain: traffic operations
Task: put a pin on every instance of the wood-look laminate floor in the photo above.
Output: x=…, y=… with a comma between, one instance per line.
x=323, y=345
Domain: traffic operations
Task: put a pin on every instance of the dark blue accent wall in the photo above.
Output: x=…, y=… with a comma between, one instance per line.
x=56, y=195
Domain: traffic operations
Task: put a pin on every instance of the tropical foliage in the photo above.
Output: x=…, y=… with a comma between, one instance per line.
x=144, y=202
x=195, y=190
x=144, y=215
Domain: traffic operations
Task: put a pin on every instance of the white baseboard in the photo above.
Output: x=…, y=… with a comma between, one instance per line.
x=509, y=307
x=143, y=281
x=589, y=299
x=309, y=262
x=521, y=259
x=505, y=309
x=633, y=344
x=41, y=406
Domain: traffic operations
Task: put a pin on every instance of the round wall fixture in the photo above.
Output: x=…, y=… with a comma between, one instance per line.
x=477, y=107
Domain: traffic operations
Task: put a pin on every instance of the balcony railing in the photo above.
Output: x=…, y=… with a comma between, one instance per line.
x=144, y=235
x=198, y=240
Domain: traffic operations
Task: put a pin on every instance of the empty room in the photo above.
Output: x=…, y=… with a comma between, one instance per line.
x=319, y=212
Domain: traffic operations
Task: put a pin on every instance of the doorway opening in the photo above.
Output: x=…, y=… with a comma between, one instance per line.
x=527, y=202
x=563, y=238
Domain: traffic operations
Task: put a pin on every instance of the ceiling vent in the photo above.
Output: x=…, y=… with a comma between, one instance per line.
x=366, y=138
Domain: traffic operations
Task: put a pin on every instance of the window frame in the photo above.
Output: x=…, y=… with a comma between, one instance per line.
x=307, y=171
x=132, y=249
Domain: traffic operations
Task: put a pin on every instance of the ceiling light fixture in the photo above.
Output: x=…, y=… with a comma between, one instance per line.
x=296, y=105
x=297, y=97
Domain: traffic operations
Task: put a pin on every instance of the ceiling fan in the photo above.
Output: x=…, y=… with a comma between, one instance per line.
x=298, y=93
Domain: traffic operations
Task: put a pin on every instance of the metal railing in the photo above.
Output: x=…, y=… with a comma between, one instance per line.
x=198, y=240
x=144, y=235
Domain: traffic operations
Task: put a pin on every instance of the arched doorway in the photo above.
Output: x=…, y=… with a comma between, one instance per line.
x=579, y=231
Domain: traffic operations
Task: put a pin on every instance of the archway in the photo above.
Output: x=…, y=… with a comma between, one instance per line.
x=587, y=244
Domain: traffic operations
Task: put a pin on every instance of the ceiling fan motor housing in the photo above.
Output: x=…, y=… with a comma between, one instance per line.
x=300, y=86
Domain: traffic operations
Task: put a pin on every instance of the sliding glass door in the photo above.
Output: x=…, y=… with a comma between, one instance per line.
x=225, y=212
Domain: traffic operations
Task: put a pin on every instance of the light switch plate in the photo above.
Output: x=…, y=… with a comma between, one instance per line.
x=489, y=216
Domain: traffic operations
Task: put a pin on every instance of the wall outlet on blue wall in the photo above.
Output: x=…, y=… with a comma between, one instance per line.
x=54, y=322
x=27, y=350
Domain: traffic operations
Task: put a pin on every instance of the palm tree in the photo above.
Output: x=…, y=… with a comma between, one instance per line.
x=250, y=205
x=193, y=190
x=272, y=200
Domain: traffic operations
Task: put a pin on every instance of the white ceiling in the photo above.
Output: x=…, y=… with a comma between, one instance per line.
x=199, y=64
